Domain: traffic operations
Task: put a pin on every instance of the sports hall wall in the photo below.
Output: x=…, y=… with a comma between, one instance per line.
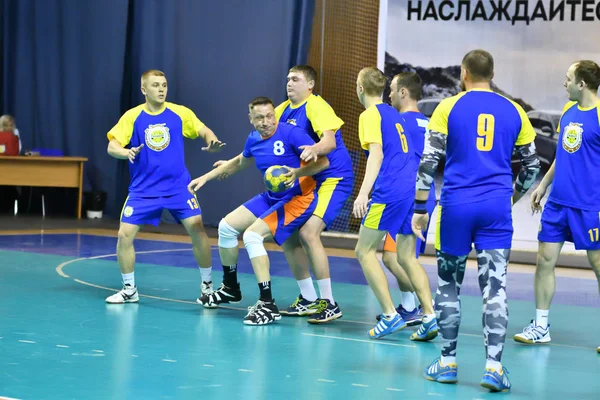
x=70, y=68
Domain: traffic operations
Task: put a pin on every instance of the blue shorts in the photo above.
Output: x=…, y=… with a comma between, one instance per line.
x=285, y=216
x=390, y=238
x=394, y=218
x=487, y=224
x=333, y=194
x=567, y=224
x=139, y=210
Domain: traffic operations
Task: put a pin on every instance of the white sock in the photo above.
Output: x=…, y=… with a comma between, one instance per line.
x=495, y=365
x=390, y=317
x=445, y=361
x=206, y=274
x=325, y=289
x=407, y=299
x=307, y=289
x=541, y=318
x=129, y=279
x=427, y=318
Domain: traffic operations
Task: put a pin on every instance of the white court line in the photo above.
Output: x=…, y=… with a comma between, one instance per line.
x=373, y=341
x=62, y=346
x=59, y=270
x=245, y=370
x=325, y=380
x=394, y=390
x=98, y=351
x=167, y=360
x=207, y=365
x=26, y=341
x=359, y=385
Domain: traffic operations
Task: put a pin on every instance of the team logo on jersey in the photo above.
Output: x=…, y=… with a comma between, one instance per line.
x=291, y=121
x=572, y=137
x=157, y=137
x=128, y=211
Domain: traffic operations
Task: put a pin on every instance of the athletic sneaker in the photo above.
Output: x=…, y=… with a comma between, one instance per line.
x=206, y=288
x=533, y=334
x=262, y=313
x=221, y=296
x=426, y=332
x=385, y=327
x=441, y=373
x=126, y=295
x=324, y=312
x=300, y=308
x=412, y=318
x=496, y=381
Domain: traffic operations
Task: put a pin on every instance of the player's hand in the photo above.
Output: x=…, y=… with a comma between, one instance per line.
x=291, y=177
x=133, y=152
x=308, y=153
x=196, y=184
x=214, y=147
x=361, y=206
x=536, y=198
x=419, y=224
x=224, y=175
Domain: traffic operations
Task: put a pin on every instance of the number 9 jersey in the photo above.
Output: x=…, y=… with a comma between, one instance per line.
x=482, y=129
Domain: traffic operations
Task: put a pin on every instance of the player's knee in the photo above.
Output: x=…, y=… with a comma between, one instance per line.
x=406, y=259
x=228, y=237
x=545, y=260
x=125, y=237
x=311, y=231
x=388, y=258
x=254, y=244
x=362, y=252
x=196, y=226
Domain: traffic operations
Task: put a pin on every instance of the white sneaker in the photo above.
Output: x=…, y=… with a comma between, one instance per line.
x=206, y=288
x=125, y=295
x=533, y=334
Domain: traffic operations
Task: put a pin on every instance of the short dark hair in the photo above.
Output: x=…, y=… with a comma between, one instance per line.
x=309, y=72
x=260, y=101
x=480, y=65
x=372, y=80
x=589, y=72
x=412, y=82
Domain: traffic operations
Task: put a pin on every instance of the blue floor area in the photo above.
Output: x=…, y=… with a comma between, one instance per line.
x=59, y=339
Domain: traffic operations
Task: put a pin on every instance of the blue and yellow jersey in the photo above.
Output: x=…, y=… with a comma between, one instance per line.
x=315, y=116
x=281, y=148
x=159, y=169
x=415, y=124
x=577, y=164
x=382, y=124
x=483, y=128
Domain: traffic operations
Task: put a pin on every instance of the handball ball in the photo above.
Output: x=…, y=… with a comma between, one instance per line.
x=274, y=178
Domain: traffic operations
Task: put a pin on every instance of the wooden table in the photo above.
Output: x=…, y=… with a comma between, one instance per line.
x=43, y=172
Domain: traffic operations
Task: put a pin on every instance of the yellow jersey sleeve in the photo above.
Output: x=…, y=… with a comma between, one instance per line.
x=369, y=127
x=191, y=125
x=439, y=120
x=565, y=108
x=123, y=130
x=527, y=133
x=281, y=108
x=321, y=116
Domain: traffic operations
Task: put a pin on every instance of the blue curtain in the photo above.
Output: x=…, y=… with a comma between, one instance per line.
x=70, y=68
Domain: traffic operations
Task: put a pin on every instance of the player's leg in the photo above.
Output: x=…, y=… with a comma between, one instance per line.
x=554, y=231
x=136, y=211
x=332, y=195
x=298, y=261
x=452, y=248
x=407, y=309
x=185, y=208
x=405, y=250
x=229, y=230
x=278, y=223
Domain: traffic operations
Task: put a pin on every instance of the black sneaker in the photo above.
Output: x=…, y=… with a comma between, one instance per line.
x=300, y=308
x=222, y=295
x=262, y=313
x=325, y=312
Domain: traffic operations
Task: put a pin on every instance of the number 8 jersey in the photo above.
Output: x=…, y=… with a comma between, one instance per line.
x=482, y=129
x=281, y=148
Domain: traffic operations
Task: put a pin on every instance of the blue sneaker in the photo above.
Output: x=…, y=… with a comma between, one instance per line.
x=426, y=332
x=385, y=327
x=413, y=317
x=441, y=373
x=496, y=381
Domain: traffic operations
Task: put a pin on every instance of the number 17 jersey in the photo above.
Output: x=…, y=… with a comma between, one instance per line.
x=482, y=129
